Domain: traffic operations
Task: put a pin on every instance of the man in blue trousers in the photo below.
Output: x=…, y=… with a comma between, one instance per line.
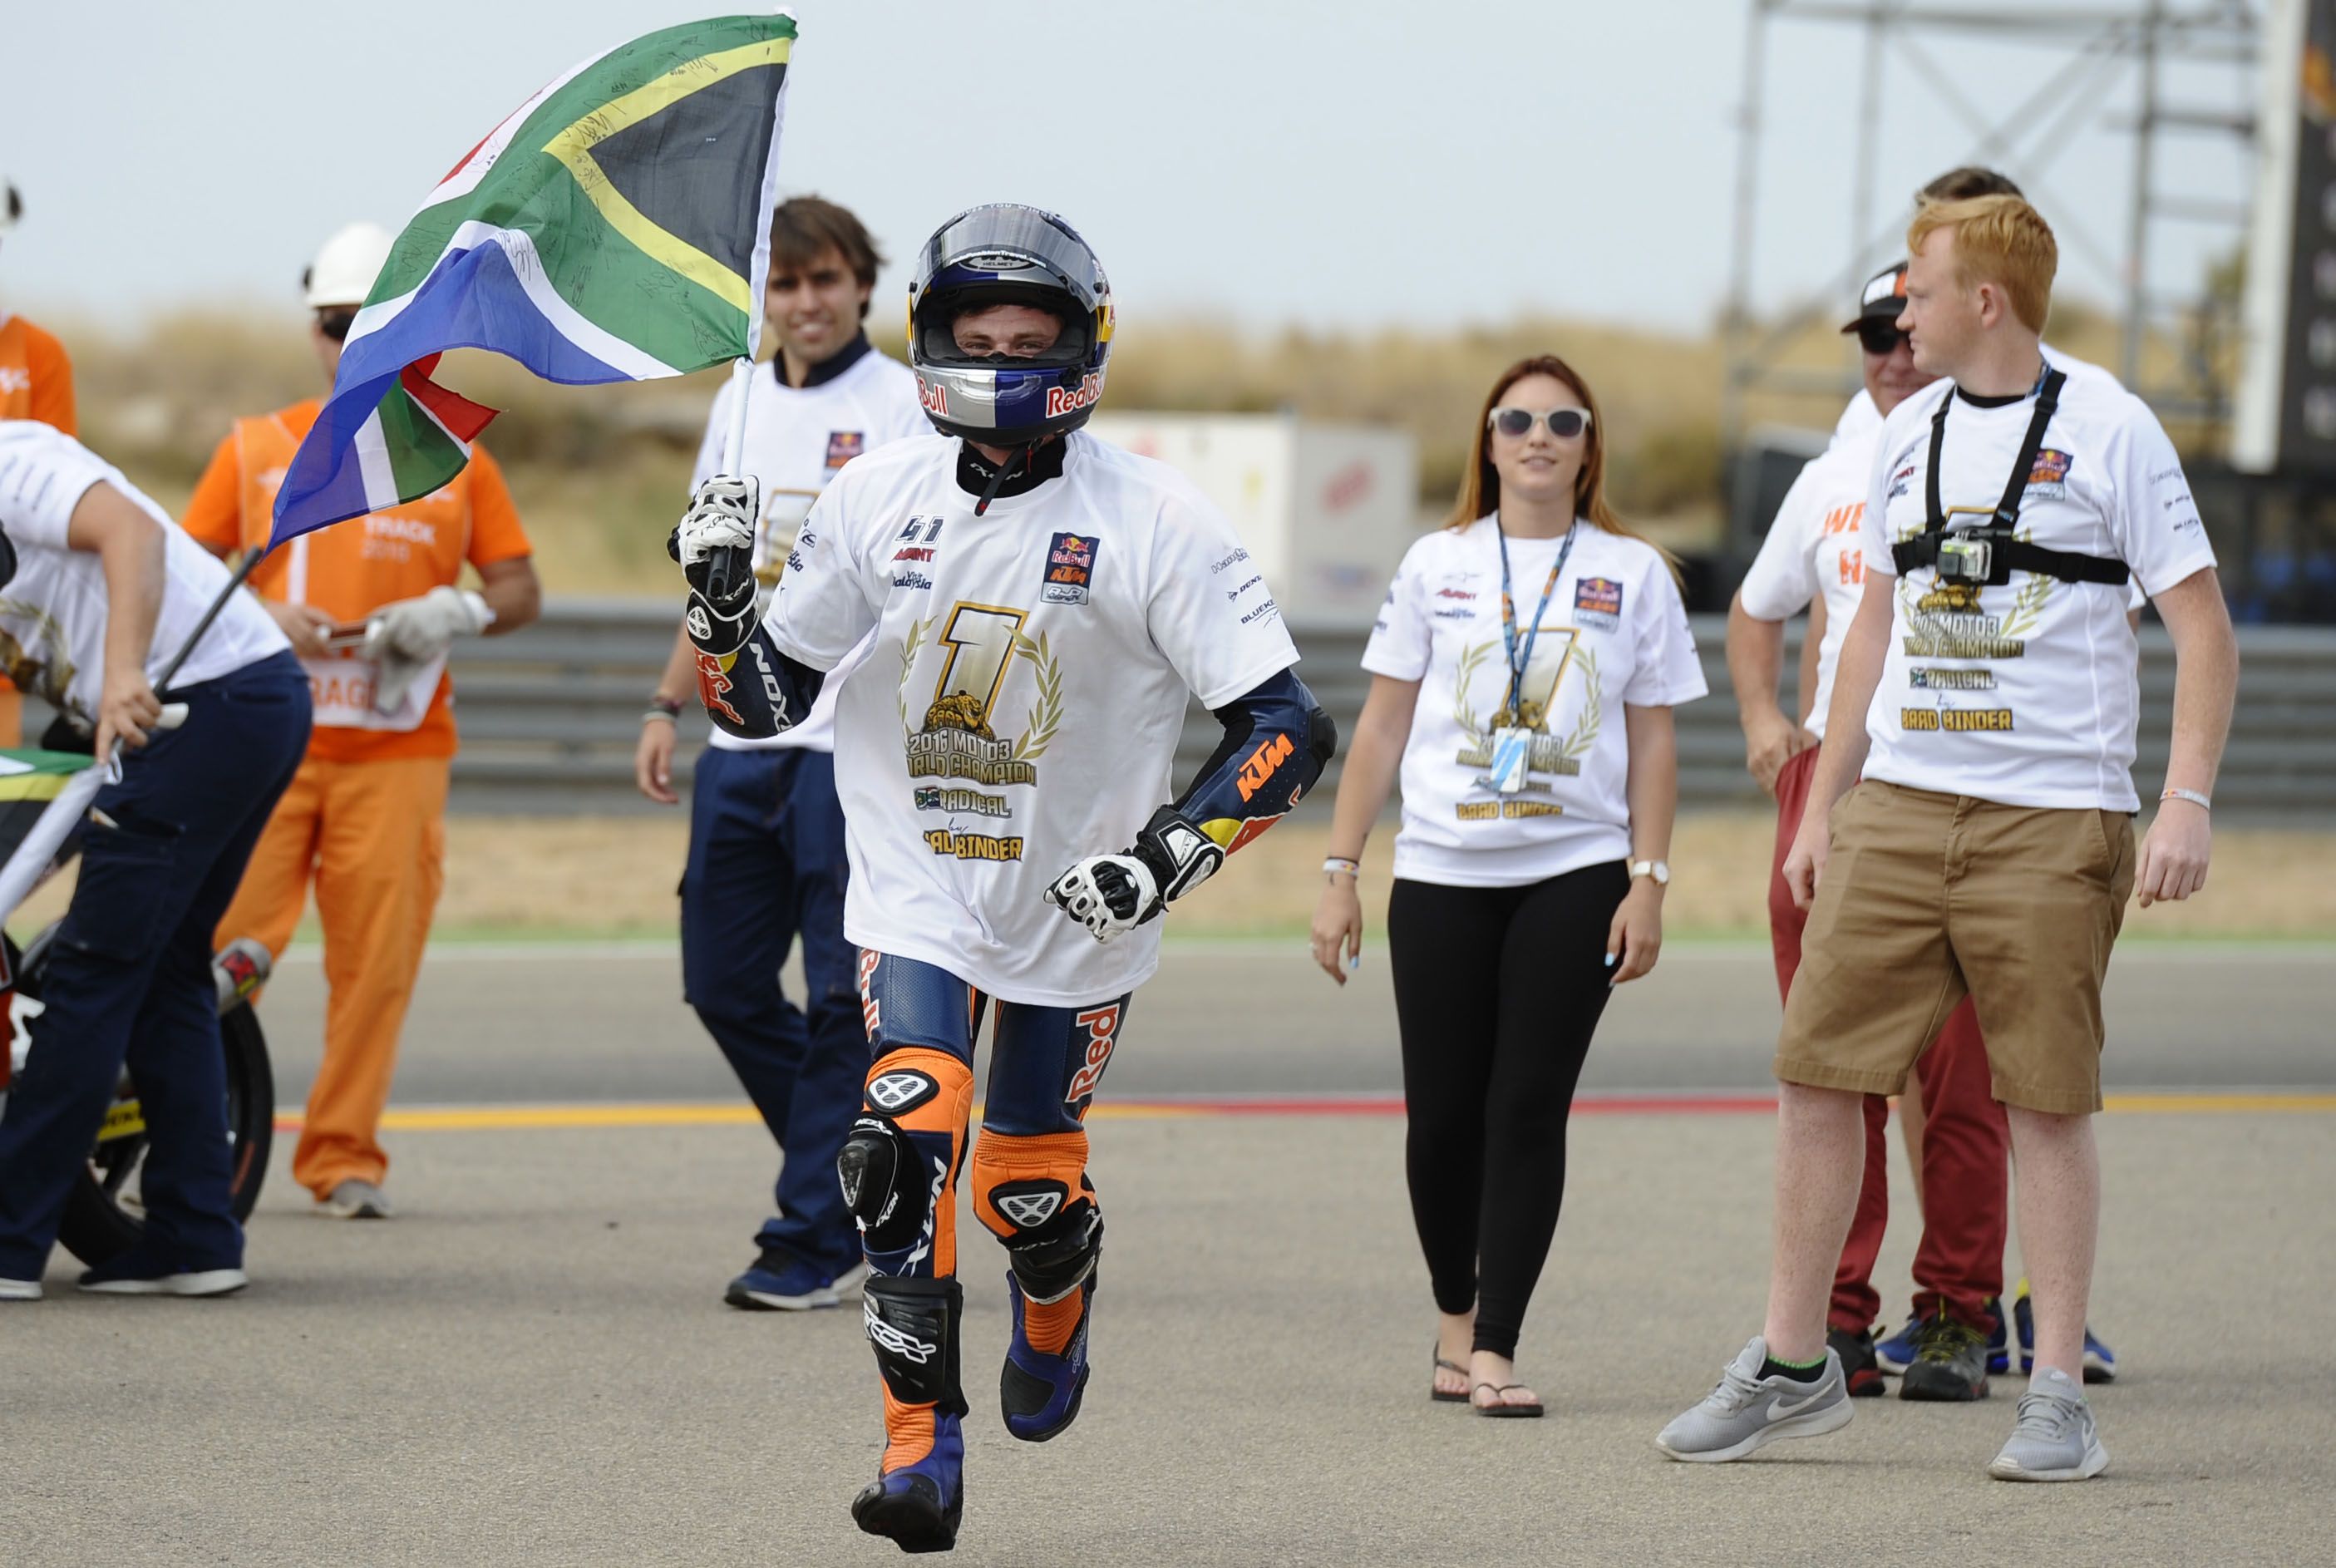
x=102, y=590
x=766, y=864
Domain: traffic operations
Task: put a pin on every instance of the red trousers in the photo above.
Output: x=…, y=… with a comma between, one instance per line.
x=1966, y=1142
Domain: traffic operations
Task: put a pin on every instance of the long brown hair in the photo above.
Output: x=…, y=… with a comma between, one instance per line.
x=1479, y=481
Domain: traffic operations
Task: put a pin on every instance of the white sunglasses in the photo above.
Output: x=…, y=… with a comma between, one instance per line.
x=1565, y=424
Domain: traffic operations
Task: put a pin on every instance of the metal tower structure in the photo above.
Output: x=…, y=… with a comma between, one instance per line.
x=2101, y=48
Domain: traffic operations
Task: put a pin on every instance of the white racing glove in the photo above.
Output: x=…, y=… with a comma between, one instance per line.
x=1111, y=895
x=714, y=543
x=405, y=637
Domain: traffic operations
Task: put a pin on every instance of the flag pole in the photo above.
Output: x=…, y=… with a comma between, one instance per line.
x=741, y=378
x=234, y=585
x=725, y=565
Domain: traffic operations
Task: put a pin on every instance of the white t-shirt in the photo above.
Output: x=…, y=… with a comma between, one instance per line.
x=53, y=612
x=1615, y=633
x=1812, y=551
x=797, y=439
x=2027, y=694
x=1020, y=707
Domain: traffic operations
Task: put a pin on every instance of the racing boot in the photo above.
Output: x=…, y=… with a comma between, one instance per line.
x=1040, y=1390
x=918, y=1494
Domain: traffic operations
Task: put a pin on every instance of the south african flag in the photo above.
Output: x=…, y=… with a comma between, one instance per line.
x=615, y=227
x=44, y=797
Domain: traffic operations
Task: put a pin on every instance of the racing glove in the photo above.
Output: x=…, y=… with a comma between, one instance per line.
x=714, y=543
x=1111, y=895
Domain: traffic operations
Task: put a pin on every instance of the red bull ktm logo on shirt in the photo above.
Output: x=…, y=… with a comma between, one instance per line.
x=1598, y=601
x=2050, y=478
x=1070, y=569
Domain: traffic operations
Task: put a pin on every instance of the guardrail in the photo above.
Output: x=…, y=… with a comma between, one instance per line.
x=550, y=714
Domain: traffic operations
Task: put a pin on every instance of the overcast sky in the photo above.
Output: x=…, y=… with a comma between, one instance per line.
x=1338, y=166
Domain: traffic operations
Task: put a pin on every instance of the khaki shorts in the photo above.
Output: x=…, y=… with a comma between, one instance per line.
x=1927, y=898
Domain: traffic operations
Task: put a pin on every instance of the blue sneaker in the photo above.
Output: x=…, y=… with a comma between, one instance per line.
x=1896, y=1353
x=919, y=1505
x=2100, y=1361
x=781, y=1283
x=1998, y=1339
x=1041, y=1393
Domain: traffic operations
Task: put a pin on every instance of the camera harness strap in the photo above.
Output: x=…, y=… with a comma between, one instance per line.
x=2009, y=554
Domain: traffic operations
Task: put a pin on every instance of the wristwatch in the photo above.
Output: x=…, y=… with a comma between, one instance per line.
x=1658, y=869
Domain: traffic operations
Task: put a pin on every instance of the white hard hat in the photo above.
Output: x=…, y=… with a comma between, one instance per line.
x=346, y=265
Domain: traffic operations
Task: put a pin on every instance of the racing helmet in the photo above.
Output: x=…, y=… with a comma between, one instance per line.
x=1008, y=254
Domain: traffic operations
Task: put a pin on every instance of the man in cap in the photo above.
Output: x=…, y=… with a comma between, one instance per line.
x=372, y=607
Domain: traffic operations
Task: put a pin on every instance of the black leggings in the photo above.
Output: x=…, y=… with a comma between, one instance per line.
x=1497, y=991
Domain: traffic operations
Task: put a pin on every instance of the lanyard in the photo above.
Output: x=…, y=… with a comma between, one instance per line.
x=1511, y=711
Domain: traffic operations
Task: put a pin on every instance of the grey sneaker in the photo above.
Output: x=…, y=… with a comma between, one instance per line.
x=2055, y=1440
x=1746, y=1410
x=356, y=1199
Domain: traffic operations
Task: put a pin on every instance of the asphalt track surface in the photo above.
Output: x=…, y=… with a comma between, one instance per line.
x=532, y=1364
x=519, y=1025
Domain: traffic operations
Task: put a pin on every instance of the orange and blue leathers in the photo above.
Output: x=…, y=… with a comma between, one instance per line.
x=1030, y=1190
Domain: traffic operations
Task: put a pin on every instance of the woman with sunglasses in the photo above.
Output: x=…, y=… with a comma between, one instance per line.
x=1524, y=667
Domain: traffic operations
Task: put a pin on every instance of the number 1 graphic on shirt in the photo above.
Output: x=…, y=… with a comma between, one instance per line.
x=980, y=642
x=1553, y=651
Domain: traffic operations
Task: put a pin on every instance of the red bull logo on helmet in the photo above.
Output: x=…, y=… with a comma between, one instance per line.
x=1067, y=400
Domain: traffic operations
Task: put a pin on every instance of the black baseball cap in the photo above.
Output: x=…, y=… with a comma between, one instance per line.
x=1883, y=297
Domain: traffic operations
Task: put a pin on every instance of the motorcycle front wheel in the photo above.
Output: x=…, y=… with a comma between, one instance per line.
x=103, y=1213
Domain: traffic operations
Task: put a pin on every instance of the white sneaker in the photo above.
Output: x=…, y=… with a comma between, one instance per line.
x=2055, y=1440
x=203, y=1282
x=356, y=1199
x=19, y=1290
x=1746, y=1411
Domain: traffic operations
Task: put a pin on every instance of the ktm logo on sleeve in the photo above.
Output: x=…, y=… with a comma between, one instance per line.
x=1263, y=764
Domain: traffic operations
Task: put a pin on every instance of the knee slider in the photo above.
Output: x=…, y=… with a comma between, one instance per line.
x=913, y=1326
x=1033, y=1194
x=886, y=1183
x=882, y=1184
x=1056, y=1258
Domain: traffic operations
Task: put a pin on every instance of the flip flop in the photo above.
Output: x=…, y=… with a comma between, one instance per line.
x=1500, y=1408
x=1437, y=1395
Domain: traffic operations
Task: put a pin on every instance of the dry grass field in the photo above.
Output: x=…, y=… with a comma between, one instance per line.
x=599, y=471
x=562, y=878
